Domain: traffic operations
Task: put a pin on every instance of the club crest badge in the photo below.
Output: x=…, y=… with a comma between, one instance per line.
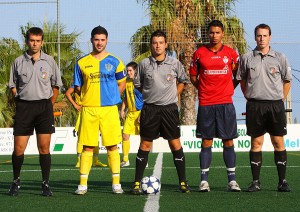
x=108, y=66
x=43, y=73
x=169, y=77
x=225, y=59
x=273, y=71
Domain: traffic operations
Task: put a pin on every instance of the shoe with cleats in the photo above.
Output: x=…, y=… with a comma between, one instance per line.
x=204, y=186
x=14, y=188
x=117, y=189
x=125, y=164
x=254, y=186
x=81, y=190
x=46, y=191
x=233, y=186
x=283, y=186
x=184, y=187
x=136, y=188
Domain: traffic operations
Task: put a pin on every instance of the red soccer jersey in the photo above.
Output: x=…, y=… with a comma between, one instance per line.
x=214, y=70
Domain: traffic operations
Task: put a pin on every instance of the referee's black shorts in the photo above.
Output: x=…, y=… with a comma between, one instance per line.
x=159, y=121
x=32, y=115
x=265, y=116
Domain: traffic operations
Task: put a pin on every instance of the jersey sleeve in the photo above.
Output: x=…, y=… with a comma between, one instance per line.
x=182, y=77
x=242, y=68
x=77, y=77
x=286, y=73
x=138, y=79
x=13, y=76
x=193, y=66
x=120, y=72
x=235, y=57
x=56, y=78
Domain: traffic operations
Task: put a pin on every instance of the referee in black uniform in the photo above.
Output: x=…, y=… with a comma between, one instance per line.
x=34, y=82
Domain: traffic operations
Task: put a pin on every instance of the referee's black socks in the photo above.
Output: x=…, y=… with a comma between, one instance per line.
x=17, y=162
x=141, y=163
x=45, y=163
x=280, y=158
x=179, y=161
x=255, y=162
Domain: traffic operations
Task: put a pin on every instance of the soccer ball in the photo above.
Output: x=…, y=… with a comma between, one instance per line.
x=150, y=185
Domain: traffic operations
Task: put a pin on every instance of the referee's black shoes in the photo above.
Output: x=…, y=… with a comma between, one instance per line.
x=283, y=186
x=14, y=188
x=46, y=191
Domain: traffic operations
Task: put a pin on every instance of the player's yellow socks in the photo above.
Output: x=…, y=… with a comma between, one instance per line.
x=79, y=151
x=114, y=165
x=85, y=166
x=78, y=161
x=125, y=148
x=95, y=157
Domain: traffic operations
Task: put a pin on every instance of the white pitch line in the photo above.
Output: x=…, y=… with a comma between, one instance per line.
x=152, y=204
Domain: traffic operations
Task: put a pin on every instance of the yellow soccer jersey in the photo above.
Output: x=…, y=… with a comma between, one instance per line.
x=134, y=98
x=77, y=98
x=98, y=80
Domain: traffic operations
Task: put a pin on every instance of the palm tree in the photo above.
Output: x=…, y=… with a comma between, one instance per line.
x=185, y=22
x=9, y=50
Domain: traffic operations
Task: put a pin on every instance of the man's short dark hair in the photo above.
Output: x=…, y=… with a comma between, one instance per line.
x=132, y=64
x=262, y=26
x=215, y=23
x=158, y=33
x=34, y=31
x=98, y=31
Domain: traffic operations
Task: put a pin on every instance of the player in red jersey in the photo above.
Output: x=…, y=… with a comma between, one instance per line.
x=211, y=72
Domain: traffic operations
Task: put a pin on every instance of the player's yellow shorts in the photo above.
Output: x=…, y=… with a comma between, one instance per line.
x=106, y=119
x=132, y=124
x=77, y=122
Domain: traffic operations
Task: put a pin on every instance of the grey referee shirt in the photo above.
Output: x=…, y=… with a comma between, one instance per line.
x=264, y=74
x=34, y=81
x=159, y=80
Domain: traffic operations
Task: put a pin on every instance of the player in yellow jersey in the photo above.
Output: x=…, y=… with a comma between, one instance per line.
x=100, y=79
x=133, y=101
x=76, y=104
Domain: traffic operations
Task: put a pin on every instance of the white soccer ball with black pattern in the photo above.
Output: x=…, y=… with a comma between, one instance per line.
x=150, y=185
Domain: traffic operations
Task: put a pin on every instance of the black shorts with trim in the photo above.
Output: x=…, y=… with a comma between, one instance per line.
x=32, y=115
x=159, y=121
x=265, y=116
x=216, y=121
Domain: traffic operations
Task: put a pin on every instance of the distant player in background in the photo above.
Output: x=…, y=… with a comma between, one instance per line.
x=212, y=71
x=265, y=76
x=100, y=79
x=76, y=104
x=133, y=102
x=161, y=79
x=34, y=82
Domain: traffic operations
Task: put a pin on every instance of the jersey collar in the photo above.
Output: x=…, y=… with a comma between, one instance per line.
x=270, y=53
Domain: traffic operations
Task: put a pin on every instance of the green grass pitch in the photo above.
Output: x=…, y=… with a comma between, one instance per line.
x=65, y=178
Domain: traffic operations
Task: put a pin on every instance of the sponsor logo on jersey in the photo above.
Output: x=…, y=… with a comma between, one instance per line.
x=215, y=72
x=215, y=57
x=95, y=75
